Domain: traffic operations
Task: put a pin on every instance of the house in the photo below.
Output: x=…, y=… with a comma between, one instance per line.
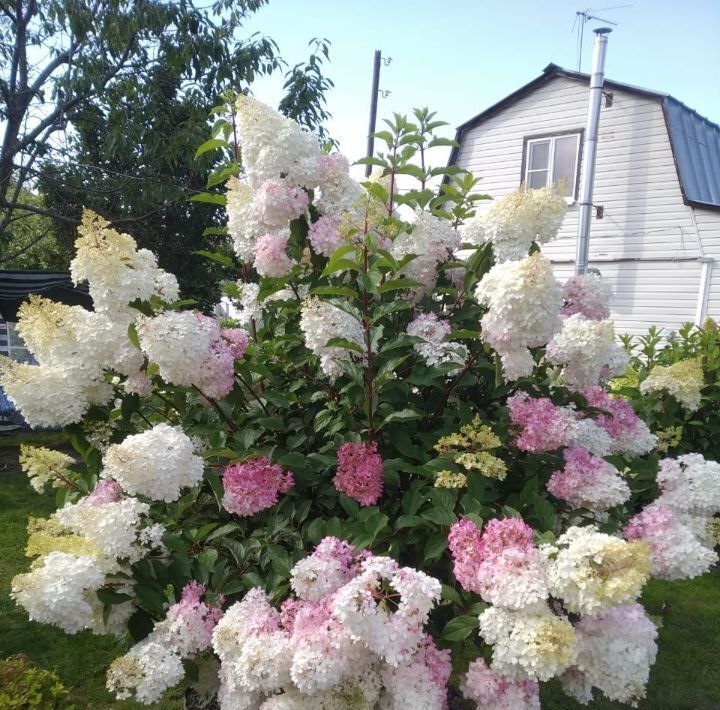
x=15, y=287
x=655, y=231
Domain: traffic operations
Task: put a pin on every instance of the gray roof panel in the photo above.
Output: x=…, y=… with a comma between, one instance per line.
x=696, y=146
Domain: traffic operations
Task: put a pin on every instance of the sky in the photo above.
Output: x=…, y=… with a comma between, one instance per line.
x=458, y=57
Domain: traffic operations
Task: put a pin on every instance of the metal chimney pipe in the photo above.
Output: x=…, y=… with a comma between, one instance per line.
x=597, y=79
x=373, y=110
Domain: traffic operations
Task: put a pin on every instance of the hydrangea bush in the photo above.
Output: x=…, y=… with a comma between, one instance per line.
x=674, y=383
x=395, y=477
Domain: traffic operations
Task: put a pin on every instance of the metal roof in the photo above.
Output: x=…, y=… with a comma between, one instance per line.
x=16, y=286
x=695, y=140
x=695, y=144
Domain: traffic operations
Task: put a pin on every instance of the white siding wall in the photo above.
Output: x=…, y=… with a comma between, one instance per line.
x=648, y=243
x=708, y=225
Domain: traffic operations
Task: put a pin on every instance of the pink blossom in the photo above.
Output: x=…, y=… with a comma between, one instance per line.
x=276, y=203
x=359, y=472
x=630, y=434
x=587, y=294
x=676, y=552
x=237, y=340
x=106, y=491
x=494, y=691
x=215, y=373
x=271, y=258
x=189, y=623
x=588, y=481
x=465, y=542
x=471, y=549
x=540, y=425
x=324, y=235
x=500, y=535
x=252, y=486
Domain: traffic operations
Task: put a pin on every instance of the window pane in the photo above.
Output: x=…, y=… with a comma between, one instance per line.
x=539, y=154
x=537, y=179
x=564, y=161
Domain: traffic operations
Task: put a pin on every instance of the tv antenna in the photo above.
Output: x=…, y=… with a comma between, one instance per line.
x=584, y=16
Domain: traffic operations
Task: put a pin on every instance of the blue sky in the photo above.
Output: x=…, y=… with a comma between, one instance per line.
x=460, y=56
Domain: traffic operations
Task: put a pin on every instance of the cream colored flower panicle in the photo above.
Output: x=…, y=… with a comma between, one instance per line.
x=43, y=466
x=50, y=395
x=274, y=146
x=50, y=330
x=513, y=223
x=157, y=464
x=320, y=321
x=587, y=351
x=528, y=643
x=591, y=571
x=683, y=380
x=57, y=592
x=116, y=271
x=524, y=303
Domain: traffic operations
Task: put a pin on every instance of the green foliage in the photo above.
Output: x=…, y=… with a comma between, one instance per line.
x=699, y=430
x=131, y=155
x=23, y=687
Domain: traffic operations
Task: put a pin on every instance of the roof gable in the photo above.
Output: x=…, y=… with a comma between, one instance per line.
x=695, y=140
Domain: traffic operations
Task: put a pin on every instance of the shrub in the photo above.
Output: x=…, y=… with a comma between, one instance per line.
x=674, y=383
x=23, y=687
x=400, y=473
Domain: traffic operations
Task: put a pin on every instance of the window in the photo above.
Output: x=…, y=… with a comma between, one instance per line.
x=14, y=346
x=552, y=159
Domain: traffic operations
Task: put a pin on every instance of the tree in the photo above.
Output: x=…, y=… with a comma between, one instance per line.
x=133, y=81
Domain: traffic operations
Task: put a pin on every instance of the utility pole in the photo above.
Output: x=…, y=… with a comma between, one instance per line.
x=597, y=78
x=373, y=110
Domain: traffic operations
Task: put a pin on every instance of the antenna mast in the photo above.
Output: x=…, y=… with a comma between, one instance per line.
x=583, y=16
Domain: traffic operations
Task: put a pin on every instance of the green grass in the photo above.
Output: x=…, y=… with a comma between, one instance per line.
x=685, y=676
x=51, y=439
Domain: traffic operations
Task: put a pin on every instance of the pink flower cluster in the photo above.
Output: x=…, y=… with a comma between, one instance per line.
x=494, y=691
x=271, y=258
x=252, y=486
x=216, y=373
x=587, y=294
x=237, y=340
x=588, y=481
x=359, y=473
x=629, y=433
x=106, y=491
x=333, y=563
x=324, y=235
x=189, y=624
x=345, y=631
x=676, y=551
x=276, y=203
x=540, y=425
x=501, y=563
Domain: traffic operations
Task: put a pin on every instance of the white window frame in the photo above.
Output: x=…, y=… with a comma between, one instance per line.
x=552, y=137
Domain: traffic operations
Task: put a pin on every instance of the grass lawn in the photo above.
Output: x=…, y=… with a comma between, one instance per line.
x=686, y=675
